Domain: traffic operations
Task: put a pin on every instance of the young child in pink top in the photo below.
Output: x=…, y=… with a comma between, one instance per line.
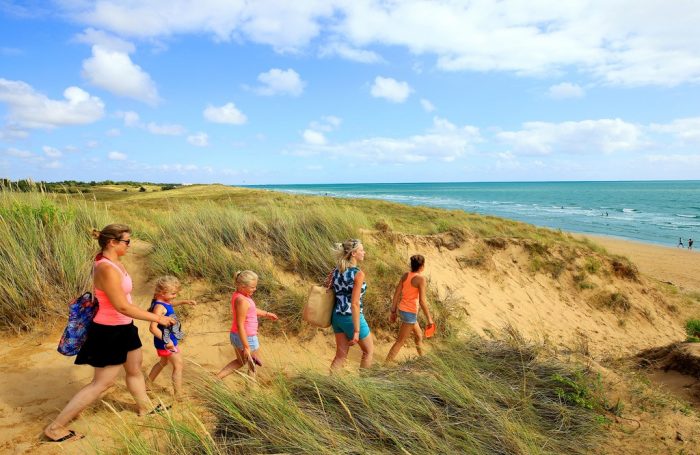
x=244, y=329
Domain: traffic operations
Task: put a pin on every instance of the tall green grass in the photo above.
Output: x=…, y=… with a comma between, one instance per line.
x=472, y=397
x=44, y=255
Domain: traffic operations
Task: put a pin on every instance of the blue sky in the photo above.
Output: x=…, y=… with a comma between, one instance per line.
x=317, y=91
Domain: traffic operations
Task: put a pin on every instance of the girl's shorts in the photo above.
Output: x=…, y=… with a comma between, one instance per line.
x=108, y=344
x=407, y=317
x=252, y=342
x=167, y=352
x=343, y=324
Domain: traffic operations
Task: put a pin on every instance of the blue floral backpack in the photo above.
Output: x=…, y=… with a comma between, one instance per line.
x=81, y=311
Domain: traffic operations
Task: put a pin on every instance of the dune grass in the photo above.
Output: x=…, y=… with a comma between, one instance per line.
x=44, y=255
x=472, y=397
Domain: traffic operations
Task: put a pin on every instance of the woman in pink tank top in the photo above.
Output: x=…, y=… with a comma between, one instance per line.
x=113, y=340
x=410, y=292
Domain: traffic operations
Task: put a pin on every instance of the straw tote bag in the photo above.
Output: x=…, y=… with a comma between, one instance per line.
x=319, y=306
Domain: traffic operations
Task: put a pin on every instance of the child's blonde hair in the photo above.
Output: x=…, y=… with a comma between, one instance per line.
x=167, y=283
x=245, y=278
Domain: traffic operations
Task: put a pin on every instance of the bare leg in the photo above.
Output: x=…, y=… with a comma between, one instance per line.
x=135, y=381
x=231, y=366
x=418, y=337
x=341, y=351
x=176, y=361
x=404, y=331
x=103, y=379
x=157, y=368
x=367, y=346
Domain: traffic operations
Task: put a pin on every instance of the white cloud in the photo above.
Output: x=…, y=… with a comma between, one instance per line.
x=92, y=144
x=584, y=137
x=280, y=82
x=314, y=137
x=52, y=152
x=390, y=89
x=427, y=105
x=444, y=141
x=17, y=153
x=199, y=140
x=165, y=129
x=565, y=90
x=692, y=159
x=31, y=109
x=349, y=53
x=228, y=113
x=131, y=118
x=12, y=132
x=687, y=130
x=619, y=42
x=113, y=132
x=117, y=156
x=105, y=40
x=115, y=72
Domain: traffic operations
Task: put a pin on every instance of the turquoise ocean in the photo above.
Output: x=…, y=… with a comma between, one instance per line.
x=650, y=211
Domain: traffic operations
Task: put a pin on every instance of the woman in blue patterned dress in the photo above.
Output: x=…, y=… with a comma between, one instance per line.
x=348, y=321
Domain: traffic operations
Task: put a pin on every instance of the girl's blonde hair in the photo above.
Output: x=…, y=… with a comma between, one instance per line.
x=245, y=278
x=167, y=283
x=110, y=232
x=343, y=253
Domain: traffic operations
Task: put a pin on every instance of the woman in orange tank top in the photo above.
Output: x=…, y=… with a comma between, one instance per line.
x=112, y=341
x=410, y=292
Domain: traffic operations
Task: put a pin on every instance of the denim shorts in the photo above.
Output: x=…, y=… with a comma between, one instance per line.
x=343, y=324
x=252, y=342
x=407, y=317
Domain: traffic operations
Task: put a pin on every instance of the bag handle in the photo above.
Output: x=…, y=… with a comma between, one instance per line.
x=329, y=279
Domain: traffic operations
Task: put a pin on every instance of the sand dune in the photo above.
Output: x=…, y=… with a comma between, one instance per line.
x=36, y=381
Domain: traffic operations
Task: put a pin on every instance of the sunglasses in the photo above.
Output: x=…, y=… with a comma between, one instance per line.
x=127, y=241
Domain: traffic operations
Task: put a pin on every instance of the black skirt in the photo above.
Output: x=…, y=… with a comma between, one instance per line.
x=108, y=344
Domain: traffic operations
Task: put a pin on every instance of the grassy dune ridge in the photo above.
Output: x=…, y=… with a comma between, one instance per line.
x=469, y=396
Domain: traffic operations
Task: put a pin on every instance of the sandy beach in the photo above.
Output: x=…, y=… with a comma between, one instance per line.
x=678, y=266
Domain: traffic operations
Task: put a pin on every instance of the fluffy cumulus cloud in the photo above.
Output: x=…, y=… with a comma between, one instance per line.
x=199, y=140
x=31, y=109
x=565, y=90
x=228, y=113
x=584, y=137
x=444, y=141
x=117, y=156
x=114, y=71
x=165, y=129
x=685, y=130
x=615, y=42
x=390, y=89
x=315, y=133
x=280, y=82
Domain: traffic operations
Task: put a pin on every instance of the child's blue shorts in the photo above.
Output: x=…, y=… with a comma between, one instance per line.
x=252, y=342
x=408, y=318
x=343, y=324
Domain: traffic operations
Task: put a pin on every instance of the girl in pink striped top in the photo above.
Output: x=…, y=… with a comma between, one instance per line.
x=244, y=329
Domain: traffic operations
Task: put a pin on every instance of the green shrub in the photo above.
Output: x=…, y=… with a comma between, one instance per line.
x=692, y=327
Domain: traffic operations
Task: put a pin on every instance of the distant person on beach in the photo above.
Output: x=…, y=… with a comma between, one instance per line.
x=244, y=329
x=680, y=242
x=690, y=244
x=113, y=339
x=410, y=292
x=348, y=320
x=165, y=339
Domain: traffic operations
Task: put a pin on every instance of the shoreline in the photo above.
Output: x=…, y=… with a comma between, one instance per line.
x=677, y=266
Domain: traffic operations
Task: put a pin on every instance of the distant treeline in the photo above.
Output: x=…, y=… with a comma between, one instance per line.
x=74, y=186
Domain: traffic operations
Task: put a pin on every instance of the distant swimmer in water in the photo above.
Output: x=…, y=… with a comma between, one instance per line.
x=690, y=244
x=680, y=242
